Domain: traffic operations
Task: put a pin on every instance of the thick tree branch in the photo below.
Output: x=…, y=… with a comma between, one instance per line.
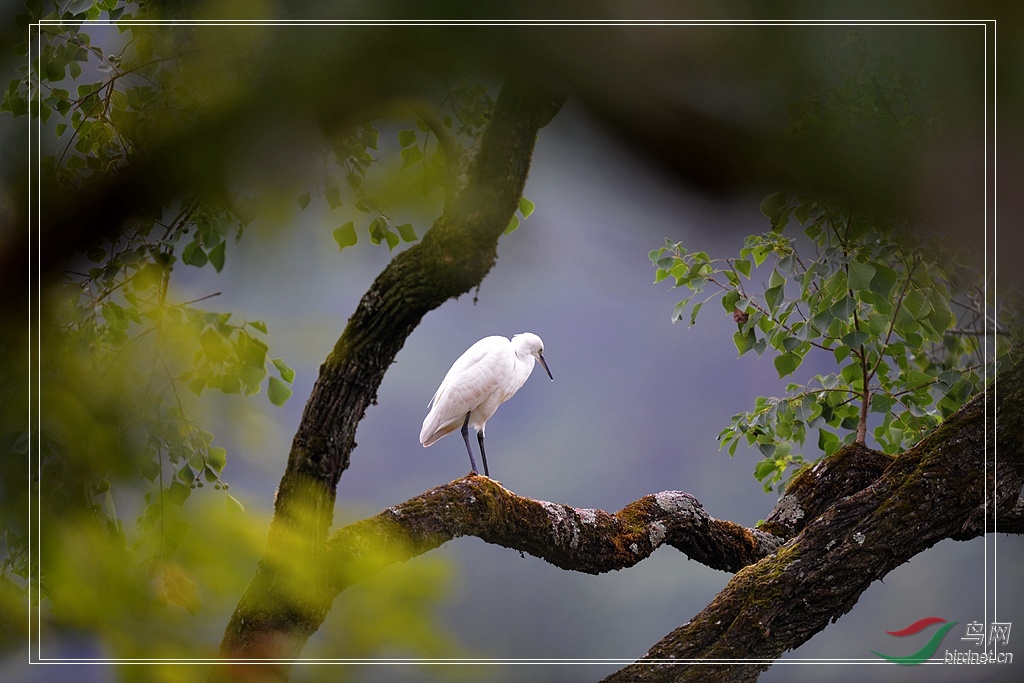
x=286, y=600
x=816, y=489
x=942, y=488
x=584, y=540
x=1009, y=521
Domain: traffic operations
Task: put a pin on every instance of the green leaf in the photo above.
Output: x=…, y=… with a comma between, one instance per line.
x=303, y=200
x=278, y=392
x=217, y=458
x=512, y=224
x=392, y=239
x=772, y=296
x=841, y=353
x=827, y=442
x=786, y=363
x=881, y=403
x=252, y=352
x=407, y=232
x=851, y=373
x=233, y=504
x=194, y=255
x=877, y=323
x=743, y=342
x=17, y=105
x=216, y=256
x=333, y=196
x=856, y=339
x=177, y=493
x=287, y=374
x=729, y=301
x=377, y=228
x=860, y=276
x=406, y=138
x=345, y=236
x=259, y=325
x=914, y=304
x=526, y=207
x=251, y=377
x=677, y=312
x=743, y=266
x=835, y=285
x=54, y=71
x=941, y=317
x=791, y=344
x=844, y=308
x=693, y=313
x=411, y=155
x=773, y=203
x=883, y=281
x=764, y=469
x=197, y=385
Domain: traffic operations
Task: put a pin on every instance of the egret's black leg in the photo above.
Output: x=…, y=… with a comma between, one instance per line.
x=483, y=456
x=465, y=436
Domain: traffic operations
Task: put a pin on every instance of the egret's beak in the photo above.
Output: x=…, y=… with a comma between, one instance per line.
x=543, y=362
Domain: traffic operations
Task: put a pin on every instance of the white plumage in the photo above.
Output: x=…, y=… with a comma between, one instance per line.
x=484, y=377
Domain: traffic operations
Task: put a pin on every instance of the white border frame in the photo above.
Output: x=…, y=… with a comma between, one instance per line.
x=35, y=315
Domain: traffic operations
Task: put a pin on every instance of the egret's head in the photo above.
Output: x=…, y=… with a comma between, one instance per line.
x=529, y=344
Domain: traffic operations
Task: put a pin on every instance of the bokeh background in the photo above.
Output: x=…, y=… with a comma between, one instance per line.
x=634, y=408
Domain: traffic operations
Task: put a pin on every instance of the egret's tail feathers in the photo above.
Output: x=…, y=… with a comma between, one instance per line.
x=431, y=432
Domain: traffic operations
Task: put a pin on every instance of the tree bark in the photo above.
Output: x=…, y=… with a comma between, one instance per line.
x=288, y=598
x=585, y=540
x=947, y=486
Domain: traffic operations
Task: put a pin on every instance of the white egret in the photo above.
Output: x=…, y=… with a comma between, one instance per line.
x=484, y=377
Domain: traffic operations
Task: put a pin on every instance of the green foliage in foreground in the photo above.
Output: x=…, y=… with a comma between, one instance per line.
x=131, y=553
x=902, y=319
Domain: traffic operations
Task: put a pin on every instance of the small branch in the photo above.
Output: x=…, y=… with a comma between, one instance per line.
x=892, y=320
x=770, y=317
x=447, y=141
x=975, y=333
x=202, y=298
x=865, y=402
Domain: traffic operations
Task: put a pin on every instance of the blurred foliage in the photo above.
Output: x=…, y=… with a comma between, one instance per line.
x=128, y=553
x=901, y=315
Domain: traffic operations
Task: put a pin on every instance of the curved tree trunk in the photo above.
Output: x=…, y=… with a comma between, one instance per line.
x=287, y=598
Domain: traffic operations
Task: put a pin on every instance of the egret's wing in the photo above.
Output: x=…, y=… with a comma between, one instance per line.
x=475, y=375
x=472, y=356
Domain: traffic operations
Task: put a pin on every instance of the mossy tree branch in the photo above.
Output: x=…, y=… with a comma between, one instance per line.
x=273, y=620
x=584, y=540
x=944, y=487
